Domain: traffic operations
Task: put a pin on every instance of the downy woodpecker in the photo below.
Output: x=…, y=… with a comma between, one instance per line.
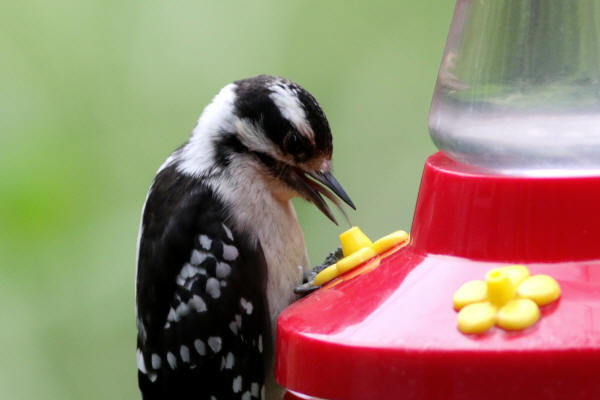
x=220, y=249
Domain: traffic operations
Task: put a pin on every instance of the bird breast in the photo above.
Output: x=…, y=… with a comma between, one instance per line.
x=273, y=222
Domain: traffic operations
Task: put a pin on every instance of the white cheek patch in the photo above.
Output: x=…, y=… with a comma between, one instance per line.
x=198, y=155
x=286, y=99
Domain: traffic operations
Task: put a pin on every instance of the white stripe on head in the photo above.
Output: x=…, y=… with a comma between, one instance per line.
x=198, y=154
x=252, y=136
x=286, y=99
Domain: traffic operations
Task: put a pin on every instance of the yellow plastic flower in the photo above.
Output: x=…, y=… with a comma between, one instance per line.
x=358, y=249
x=509, y=298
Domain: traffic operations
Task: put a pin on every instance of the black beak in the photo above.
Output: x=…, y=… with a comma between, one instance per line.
x=327, y=179
x=314, y=190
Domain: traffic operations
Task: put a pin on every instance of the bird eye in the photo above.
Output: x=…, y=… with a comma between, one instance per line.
x=292, y=143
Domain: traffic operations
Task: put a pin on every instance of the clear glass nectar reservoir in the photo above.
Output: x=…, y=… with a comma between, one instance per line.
x=518, y=89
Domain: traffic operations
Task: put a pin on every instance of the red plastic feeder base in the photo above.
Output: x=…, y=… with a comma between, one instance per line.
x=391, y=333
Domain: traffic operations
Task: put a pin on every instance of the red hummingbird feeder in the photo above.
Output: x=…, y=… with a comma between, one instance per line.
x=516, y=116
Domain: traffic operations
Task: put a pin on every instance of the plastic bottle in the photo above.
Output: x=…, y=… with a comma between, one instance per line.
x=518, y=89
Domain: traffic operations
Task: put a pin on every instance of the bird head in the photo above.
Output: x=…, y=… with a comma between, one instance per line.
x=277, y=127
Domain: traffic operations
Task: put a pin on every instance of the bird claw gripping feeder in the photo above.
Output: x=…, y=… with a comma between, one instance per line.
x=497, y=294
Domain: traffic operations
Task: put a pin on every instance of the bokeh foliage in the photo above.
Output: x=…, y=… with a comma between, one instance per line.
x=93, y=97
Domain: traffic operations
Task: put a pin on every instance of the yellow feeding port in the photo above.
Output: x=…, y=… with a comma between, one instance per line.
x=499, y=287
x=509, y=298
x=353, y=240
x=357, y=248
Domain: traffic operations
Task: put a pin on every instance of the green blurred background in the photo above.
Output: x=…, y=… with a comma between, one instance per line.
x=94, y=96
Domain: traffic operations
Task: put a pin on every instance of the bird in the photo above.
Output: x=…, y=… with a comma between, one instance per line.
x=220, y=249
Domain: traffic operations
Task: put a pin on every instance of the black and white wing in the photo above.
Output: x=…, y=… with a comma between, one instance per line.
x=203, y=326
